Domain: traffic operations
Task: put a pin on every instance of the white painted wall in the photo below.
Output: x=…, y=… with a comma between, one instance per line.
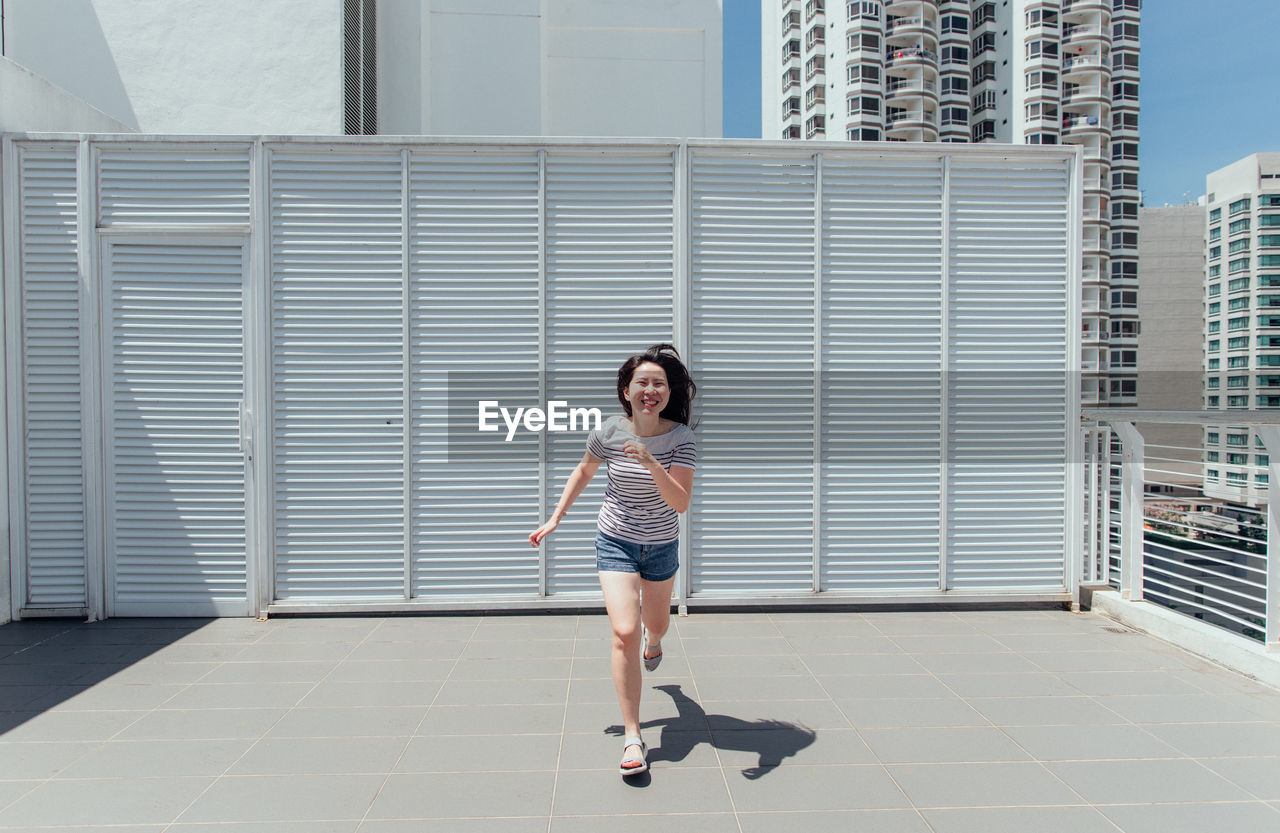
x=550, y=67
x=195, y=66
x=31, y=103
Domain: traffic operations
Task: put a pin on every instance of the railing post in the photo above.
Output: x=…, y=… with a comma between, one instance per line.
x=1270, y=435
x=1132, y=480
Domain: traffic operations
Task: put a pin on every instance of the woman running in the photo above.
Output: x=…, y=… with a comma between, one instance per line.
x=651, y=455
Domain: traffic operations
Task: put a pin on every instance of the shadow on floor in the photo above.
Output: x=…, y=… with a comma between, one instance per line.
x=772, y=740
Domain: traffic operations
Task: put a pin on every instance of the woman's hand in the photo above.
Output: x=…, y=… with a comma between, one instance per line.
x=535, y=537
x=637, y=451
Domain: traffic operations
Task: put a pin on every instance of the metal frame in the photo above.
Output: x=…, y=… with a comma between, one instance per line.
x=259, y=388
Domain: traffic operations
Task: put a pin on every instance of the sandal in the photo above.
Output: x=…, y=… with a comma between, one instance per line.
x=651, y=663
x=633, y=764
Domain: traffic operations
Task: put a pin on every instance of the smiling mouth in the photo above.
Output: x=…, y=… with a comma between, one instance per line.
x=649, y=403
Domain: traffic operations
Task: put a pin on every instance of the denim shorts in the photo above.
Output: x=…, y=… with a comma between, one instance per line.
x=654, y=562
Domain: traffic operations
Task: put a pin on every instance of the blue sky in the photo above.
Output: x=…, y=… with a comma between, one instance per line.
x=1210, y=89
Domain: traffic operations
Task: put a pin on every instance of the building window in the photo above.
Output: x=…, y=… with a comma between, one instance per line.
x=1124, y=60
x=863, y=9
x=1211, y=475
x=1237, y=402
x=1124, y=270
x=791, y=49
x=1269, y=201
x=1268, y=280
x=957, y=23
x=815, y=126
x=815, y=36
x=1237, y=207
x=864, y=41
x=1124, y=91
x=1269, y=221
x=955, y=55
x=1268, y=240
x=815, y=65
x=1038, y=48
x=1124, y=240
x=1215, y=289
x=791, y=107
x=985, y=12
x=864, y=134
x=1238, y=343
x=1041, y=110
x=1215, y=252
x=1238, y=440
x=1265, y=261
x=1215, y=308
x=1238, y=303
x=1212, y=382
x=1214, y=327
x=1215, y=215
x=1238, y=227
x=1268, y=380
x=863, y=73
x=1237, y=284
x=955, y=85
x=360, y=66
x=790, y=78
x=814, y=7
x=859, y=104
x=1124, y=210
x=1124, y=121
x=984, y=101
x=985, y=71
x=1042, y=80
x=1124, y=31
x=1237, y=381
x=815, y=95
x=1124, y=150
x=1215, y=233
x=1240, y=265
x=1211, y=437
x=984, y=130
x=791, y=132
x=1241, y=323
x=1042, y=17
x=1215, y=345
x=958, y=116
x=1238, y=246
x=1214, y=364
x=790, y=20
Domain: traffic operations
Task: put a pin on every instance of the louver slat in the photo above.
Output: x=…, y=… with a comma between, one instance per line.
x=337, y=324
x=475, y=319
x=753, y=351
x=176, y=509
x=187, y=187
x=610, y=260
x=881, y=373
x=54, y=473
x=1008, y=374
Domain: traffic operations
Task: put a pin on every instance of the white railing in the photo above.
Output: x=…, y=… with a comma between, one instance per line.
x=1167, y=524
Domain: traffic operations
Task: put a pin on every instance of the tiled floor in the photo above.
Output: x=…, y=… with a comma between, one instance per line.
x=1026, y=720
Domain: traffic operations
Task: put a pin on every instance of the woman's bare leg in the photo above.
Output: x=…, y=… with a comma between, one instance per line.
x=655, y=609
x=622, y=601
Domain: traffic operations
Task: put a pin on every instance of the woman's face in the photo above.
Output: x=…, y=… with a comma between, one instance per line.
x=648, y=392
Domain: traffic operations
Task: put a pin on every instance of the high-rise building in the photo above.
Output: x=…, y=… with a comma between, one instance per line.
x=1021, y=71
x=1242, y=318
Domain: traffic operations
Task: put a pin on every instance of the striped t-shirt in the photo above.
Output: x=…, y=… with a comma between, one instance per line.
x=633, y=508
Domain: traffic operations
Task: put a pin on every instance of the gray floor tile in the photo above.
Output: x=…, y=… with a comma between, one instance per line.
x=840, y=821
x=1259, y=775
x=1084, y=661
x=1090, y=743
x=798, y=788
x=1045, y=711
x=1060, y=643
x=518, y=648
x=104, y=802
x=113, y=698
x=964, y=643
x=268, y=672
x=319, y=756
x=1177, y=708
x=674, y=667
x=848, y=625
x=391, y=671
x=73, y=726
x=693, y=823
x=755, y=715
x=327, y=652
x=601, y=690
x=773, y=747
x=424, y=649
x=170, y=673
x=905, y=713
x=424, y=629
x=551, y=626
x=799, y=687
x=480, y=720
x=554, y=668
x=1154, y=781
x=1005, y=662
x=334, y=630
x=40, y=759
x=157, y=759
x=481, y=753
x=349, y=722
x=1098, y=683
x=1018, y=820
x=336, y=693
x=16, y=696
x=981, y=785
x=1213, y=740
x=531, y=824
x=208, y=652
x=746, y=628
x=922, y=623
x=1195, y=818
x=314, y=826
x=12, y=791
x=1017, y=684
x=502, y=692
x=56, y=675
x=888, y=686
x=939, y=745
x=468, y=794
x=840, y=665
x=807, y=645
x=745, y=666
x=238, y=696
x=94, y=828
x=203, y=724
x=671, y=789
x=270, y=798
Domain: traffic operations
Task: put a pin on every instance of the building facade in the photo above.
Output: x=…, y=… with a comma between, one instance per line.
x=1242, y=319
x=443, y=67
x=1021, y=71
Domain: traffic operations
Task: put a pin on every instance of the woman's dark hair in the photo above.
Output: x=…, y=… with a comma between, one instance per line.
x=678, y=380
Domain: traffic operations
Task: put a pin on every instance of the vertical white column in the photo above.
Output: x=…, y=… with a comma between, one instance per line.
x=817, y=373
x=1131, y=490
x=544, y=470
x=682, y=307
x=13, y=551
x=1270, y=435
x=406, y=325
x=92, y=375
x=944, y=386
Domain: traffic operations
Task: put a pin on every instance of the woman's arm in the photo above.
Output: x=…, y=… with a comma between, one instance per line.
x=578, y=480
x=674, y=484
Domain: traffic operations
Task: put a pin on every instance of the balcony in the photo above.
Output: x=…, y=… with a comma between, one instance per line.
x=1086, y=94
x=910, y=55
x=1082, y=8
x=1084, y=35
x=916, y=25
x=907, y=89
x=1084, y=66
x=1076, y=124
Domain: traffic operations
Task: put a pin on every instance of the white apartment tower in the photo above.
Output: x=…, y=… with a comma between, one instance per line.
x=1242, y=319
x=1021, y=71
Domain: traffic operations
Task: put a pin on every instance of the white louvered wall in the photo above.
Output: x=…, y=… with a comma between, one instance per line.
x=474, y=236
x=881, y=339
x=881, y=370
x=51, y=388
x=337, y=324
x=753, y=316
x=176, y=509
x=1007, y=380
x=610, y=255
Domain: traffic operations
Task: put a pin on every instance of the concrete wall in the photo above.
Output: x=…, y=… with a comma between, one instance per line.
x=198, y=66
x=31, y=103
x=1171, y=344
x=550, y=67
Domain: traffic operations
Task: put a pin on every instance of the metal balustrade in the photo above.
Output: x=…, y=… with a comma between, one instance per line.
x=1166, y=525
